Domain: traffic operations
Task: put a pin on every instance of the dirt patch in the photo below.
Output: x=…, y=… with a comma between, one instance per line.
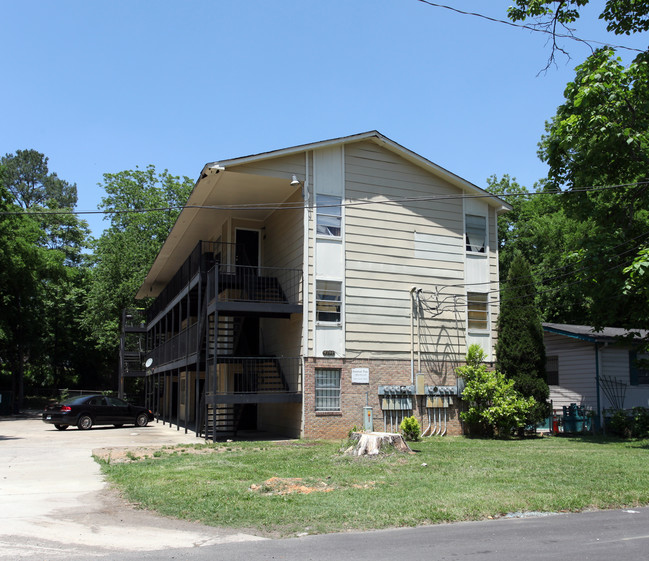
x=127, y=454
x=291, y=485
x=297, y=485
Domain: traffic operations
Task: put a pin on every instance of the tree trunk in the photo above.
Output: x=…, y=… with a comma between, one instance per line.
x=372, y=443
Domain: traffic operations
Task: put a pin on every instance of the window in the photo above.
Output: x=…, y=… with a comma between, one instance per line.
x=327, y=389
x=477, y=310
x=328, y=300
x=552, y=370
x=329, y=215
x=638, y=368
x=476, y=233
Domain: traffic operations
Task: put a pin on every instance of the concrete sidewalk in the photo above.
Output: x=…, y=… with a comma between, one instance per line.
x=53, y=499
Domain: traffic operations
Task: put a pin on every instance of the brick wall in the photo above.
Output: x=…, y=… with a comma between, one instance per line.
x=353, y=397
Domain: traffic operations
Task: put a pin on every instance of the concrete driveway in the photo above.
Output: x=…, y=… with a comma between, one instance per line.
x=54, y=501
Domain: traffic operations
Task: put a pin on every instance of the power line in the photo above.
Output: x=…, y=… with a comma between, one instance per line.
x=300, y=205
x=529, y=27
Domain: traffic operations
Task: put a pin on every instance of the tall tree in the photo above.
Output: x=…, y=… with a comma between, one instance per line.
x=22, y=263
x=143, y=206
x=30, y=182
x=597, y=149
x=44, y=279
x=539, y=229
x=520, y=351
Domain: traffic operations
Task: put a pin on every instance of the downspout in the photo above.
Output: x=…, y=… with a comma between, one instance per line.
x=305, y=283
x=599, y=411
x=418, y=331
x=412, y=335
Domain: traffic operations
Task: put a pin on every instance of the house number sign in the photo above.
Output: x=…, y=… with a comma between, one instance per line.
x=360, y=375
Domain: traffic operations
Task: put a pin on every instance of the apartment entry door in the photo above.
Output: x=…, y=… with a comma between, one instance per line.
x=247, y=247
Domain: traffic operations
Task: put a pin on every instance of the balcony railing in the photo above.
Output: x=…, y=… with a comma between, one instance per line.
x=268, y=285
x=231, y=278
x=255, y=375
x=176, y=347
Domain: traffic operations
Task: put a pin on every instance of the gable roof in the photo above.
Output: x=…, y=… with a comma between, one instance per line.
x=220, y=179
x=588, y=333
x=377, y=138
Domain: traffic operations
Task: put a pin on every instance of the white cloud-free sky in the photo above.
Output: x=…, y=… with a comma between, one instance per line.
x=103, y=86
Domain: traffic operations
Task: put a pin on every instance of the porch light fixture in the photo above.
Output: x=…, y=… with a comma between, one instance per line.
x=295, y=181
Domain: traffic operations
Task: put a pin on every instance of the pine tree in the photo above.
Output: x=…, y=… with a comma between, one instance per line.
x=520, y=350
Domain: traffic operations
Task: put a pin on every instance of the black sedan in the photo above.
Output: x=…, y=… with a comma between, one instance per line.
x=89, y=410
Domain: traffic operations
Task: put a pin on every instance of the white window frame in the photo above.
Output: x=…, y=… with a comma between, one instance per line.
x=326, y=287
x=327, y=390
x=329, y=209
x=477, y=298
x=468, y=245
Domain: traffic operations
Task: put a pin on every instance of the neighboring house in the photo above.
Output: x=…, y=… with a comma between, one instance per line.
x=300, y=286
x=595, y=369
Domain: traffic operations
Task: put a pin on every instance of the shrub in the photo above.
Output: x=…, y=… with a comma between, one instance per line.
x=640, y=422
x=620, y=424
x=495, y=407
x=410, y=428
x=626, y=425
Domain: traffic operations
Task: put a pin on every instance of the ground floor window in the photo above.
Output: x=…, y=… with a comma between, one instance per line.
x=552, y=370
x=327, y=389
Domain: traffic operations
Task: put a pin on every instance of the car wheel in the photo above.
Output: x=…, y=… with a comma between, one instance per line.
x=61, y=427
x=118, y=425
x=85, y=422
x=142, y=420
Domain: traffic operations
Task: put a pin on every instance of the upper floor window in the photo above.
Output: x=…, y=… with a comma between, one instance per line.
x=329, y=215
x=476, y=233
x=478, y=310
x=328, y=297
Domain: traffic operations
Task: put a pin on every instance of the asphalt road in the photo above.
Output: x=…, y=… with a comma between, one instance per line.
x=55, y=505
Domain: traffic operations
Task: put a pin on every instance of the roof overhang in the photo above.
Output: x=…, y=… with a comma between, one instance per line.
x=217, y=196
x=222, y=192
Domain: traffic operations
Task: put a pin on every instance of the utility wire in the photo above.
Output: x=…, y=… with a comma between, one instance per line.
x=529, y=27
x=300, y=205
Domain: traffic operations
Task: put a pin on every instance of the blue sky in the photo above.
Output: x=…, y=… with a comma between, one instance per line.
x=101, y=86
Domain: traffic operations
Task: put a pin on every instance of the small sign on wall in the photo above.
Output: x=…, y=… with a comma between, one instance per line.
x=360, y=375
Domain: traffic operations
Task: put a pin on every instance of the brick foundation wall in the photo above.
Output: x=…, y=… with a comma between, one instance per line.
x=353, y=397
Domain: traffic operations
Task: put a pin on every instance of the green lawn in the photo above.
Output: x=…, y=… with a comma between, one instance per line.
x=447, y=479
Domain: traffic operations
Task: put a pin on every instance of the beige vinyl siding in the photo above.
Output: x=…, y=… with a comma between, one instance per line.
x=283, y=237
x=283, y=167
x=280, y=418
x=281, y=337
x=381, y=265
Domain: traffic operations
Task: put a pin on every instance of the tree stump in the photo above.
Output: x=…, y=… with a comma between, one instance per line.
x=371, y=443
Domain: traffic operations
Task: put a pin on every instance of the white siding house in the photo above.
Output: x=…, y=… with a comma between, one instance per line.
x=595, y=369
x=396, y=261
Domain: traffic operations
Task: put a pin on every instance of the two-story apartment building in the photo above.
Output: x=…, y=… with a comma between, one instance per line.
x=301, y=287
